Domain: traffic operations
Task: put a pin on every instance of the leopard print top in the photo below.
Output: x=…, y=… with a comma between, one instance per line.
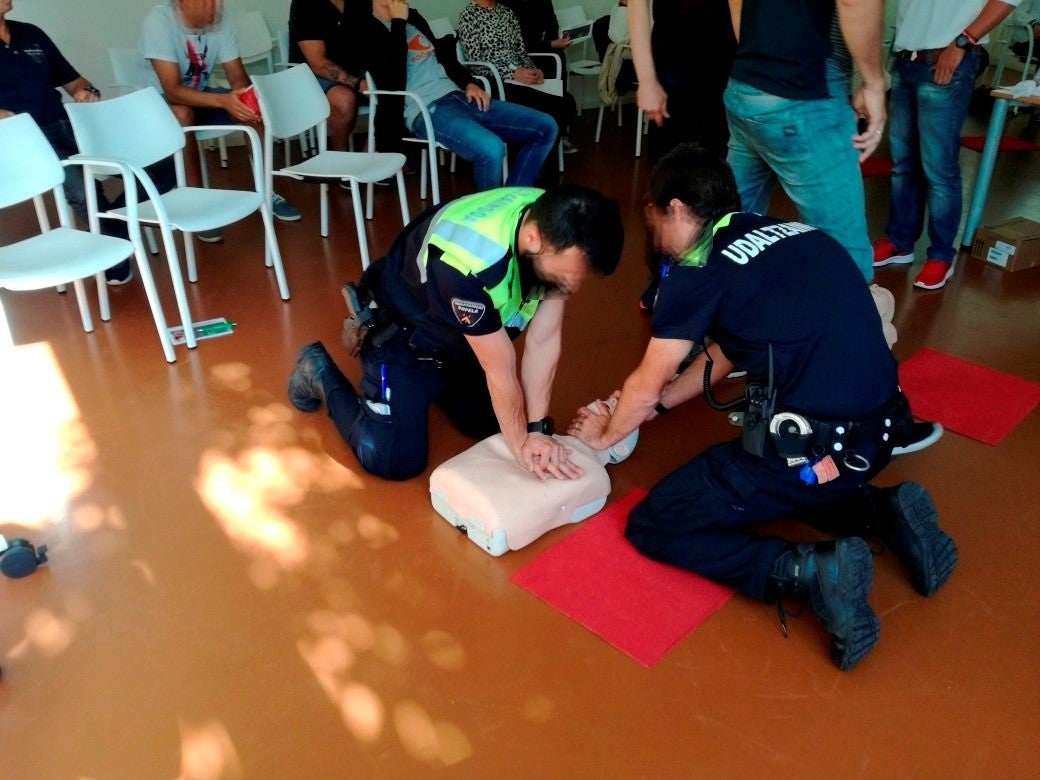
x=493, y=35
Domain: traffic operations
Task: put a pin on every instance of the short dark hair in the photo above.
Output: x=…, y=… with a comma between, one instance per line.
x=703, y=181
x=571, y=215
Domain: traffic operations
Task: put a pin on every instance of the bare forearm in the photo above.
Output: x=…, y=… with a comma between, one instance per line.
x=333, y=72
x=507, y=399
x=639, y=32
x=992, y=14
x=537, y=373
x=861, y=22
x=690, y=383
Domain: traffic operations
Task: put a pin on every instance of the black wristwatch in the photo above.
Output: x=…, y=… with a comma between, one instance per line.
x=546, y=425
x=93, y=90
x=962, y=41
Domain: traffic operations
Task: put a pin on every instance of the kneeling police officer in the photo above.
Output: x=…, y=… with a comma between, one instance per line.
x=434, y=321
x=821, y=415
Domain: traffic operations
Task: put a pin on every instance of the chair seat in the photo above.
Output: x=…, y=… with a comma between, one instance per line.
x=57, y=257
x=363, y=166
x=192, y=209
x=585, y=67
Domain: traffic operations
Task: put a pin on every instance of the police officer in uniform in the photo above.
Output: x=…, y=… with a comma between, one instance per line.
x=822, y=412
x=434, y=320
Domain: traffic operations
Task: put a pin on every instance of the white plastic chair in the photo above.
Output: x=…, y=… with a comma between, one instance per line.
x=292, y=102
x=255, y=43
x=29, y=168
x=125, y=70
x=430, y=145
x=140, y=129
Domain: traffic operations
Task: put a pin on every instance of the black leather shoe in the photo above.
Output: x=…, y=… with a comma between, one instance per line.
x=835, y=578
x=305, y=390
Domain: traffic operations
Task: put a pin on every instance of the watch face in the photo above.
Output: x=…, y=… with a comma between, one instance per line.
x=961, y=41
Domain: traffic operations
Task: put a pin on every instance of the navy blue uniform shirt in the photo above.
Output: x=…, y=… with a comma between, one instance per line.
x=30, y=68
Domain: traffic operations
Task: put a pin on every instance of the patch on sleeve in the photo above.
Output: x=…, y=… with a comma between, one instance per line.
x=469, y=313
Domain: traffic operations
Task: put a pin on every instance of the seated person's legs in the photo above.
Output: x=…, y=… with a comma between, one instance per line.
x=343, y=103
x=456, y=125
x=535, y=131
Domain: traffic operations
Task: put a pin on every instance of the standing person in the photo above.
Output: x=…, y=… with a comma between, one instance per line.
x=682, y=66
x=323, y=34
x=458, y=285
x=823, y=412
x=790, y=123
x=400, y=52
x=182, y=41
x=31, y=67
x=490, y=33
x=936, y=63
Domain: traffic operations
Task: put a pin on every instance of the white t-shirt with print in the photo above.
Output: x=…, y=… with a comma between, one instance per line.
x=196, y=52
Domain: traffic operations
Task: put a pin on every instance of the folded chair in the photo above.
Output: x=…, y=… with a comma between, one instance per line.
x=28, y=169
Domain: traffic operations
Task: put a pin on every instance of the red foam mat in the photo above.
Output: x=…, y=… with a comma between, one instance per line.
x=974, y=400
x=597, y=578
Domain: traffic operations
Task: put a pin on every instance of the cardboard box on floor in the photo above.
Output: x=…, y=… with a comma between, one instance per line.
x=1011, y=245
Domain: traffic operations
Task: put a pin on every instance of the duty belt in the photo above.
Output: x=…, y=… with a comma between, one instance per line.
x=919, y=55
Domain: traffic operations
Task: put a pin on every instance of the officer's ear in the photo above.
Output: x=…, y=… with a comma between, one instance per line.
x=531, y=241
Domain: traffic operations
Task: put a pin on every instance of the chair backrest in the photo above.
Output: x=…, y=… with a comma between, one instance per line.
x=254, y=37
x=28, y=164
x=291, y=101
x=574, y=19
x=126, y=65
x=441, y=27
x=139, y=128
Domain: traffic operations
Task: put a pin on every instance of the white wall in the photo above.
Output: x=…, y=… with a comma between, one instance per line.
x=85, y=29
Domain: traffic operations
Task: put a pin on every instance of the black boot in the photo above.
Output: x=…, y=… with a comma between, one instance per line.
x=835, y=578
x=904, y=520
x=305, y=382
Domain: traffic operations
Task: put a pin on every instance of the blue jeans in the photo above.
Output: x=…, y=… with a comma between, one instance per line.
x=806, y=145
x=925, y=122
x=481, y=137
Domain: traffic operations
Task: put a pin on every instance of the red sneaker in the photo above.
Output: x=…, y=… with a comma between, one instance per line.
x=887, y=253
x=933, y=275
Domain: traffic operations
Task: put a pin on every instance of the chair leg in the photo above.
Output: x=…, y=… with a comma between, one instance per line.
x=222, y=145
x=145, y=272
x=203, y=168
x=359, y=223
x=370, y=201
x=179, y=293
x=149, y=237
x=423, y=168
x=324, y=203
x=435, y=182
x=84, y=307
x=189, y=257
x=639, y=133
x=599, y=122
x=559, y=154
x=275, y=253
x=402, y=196
x=102, y=293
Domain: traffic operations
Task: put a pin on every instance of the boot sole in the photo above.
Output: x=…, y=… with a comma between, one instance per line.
x=927, y=551
x=854, y=582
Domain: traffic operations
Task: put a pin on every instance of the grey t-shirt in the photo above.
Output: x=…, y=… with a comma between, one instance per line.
x=426, y=76
x=196, y=52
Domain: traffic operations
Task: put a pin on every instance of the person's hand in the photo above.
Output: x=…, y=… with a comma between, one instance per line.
x=528, y=76
x=562, y=42
x=398, y=9
x=4, y=113
x=589, y=425
x=546, y=457
x=869, y=103
x=947, y=63
x=85, y=96
x=652, y=98
x=362, y=86
x=475, y=94
x=239, y=111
